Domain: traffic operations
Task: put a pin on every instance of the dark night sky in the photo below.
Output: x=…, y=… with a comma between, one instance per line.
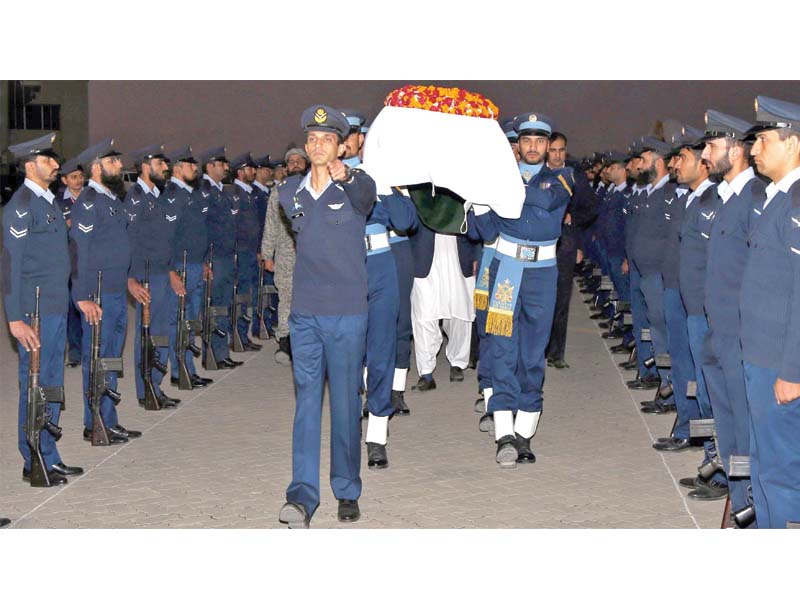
x=263, y=116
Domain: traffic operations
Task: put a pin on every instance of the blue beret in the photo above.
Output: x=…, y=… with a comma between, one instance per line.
x=263, y=161
x=532, y=123
x=213, y=154
x=102, y=150
x=143, y=154
x=774, y=114
x=41, y=146
x=508, y=129
x=71, y=165
x=183, y=155
x=719, y=125
x=354, y=118
x=324, y=118
x=241, y=161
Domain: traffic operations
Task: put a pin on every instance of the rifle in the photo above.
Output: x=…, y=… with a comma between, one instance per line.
x=210, y=312
x=98, y=386
x=237, y=345
x=263, y=291
x=184, y=337
x=38, y=413
x=149, y=359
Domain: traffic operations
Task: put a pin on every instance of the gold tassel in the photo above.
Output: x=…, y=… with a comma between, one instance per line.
x=481, y=298
x=499, y=323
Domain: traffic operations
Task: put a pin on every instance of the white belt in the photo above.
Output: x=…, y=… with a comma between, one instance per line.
x=376, y=241
x=392, y=234
x=526, y=251
x=492, y=244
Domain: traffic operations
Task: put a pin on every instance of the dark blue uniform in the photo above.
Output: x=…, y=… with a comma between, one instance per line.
x=249, y=227
x=65, y=201
x=100, y=235
x=261, y=195
x=221, y=230
x=770, y=309
x=722, y=360
x=35, y=253
x=393, y=211
x=328, y=326
x=190, y=235
x=151, y=233
x=518, y=363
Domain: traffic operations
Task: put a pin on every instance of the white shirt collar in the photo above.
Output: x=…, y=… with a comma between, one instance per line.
x=661, y=183
x=261, y=186
x=244, y=186
x=306, y=183
x=68, y=195
x=618, y=188
x=182, y=184
x=146, y=189
x=783, y=185
x=101, y=189
x=741, y=180
x=214, y=183
x=725, y=191
x=42, y=193
x=707, y=183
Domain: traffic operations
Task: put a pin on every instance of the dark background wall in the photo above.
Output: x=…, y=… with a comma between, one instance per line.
x=263, y=116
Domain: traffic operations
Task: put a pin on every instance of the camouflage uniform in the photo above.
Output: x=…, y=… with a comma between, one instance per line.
x=278, y=244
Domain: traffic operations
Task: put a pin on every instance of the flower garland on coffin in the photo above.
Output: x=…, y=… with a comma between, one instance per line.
x=446, y=138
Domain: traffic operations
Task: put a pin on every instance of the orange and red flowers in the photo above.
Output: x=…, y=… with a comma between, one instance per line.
x=453, y=101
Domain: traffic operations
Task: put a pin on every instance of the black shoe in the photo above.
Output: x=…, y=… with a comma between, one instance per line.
x=486, y=424
x=559, y=363
x=283, y=355
x=73, y=363
x=348, y=511
x=4, y=522
x=456, y=374
x=167, y=402
x=365, y=411
x=692, y=482
x=126, y=433
x=619, y=349
x=673, y=445
x=711, y=490
x=524, y=454
x=64, y=470
x=423, y=385
x=648, y=382
x=658, y=408
x=472, y=364
x=376, y=456
x=630, y=365
x=506, y=455
x=198, y=381
x=614, y=334
x=251, y=347
x=113, y=438
x=294, y=515
x=226, y=364
x=235, y=363
x=480, y=405
x=54, y=477
x=399, y=403
x=598, y=316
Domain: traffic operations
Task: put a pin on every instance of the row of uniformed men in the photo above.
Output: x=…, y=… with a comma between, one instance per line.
x=706, y=248
x=145, y=236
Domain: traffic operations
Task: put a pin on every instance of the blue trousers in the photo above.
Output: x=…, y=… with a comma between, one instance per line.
x=518, y=362
x=622, y=285
x=195, y=288
x=774, y=450
x=221, y=296
x=112, y=340
x=484, y=351
x=332, y=347
x=404, y=262
x=652, y=287
x=644, y=350
x=381, y=332
x=248, y=284
x=724, y=377
x=53, y=337
x=160, y=292
x=680, y=354
x=270, y=316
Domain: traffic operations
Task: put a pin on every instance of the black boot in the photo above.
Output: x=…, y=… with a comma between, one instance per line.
x=283, y=355
x=524, y=454
x=399, y=403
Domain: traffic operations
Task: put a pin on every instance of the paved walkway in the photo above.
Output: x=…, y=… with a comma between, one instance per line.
x=223, y=458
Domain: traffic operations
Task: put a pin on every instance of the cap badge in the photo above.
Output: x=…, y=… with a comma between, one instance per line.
x=532, y=118
x=320, y=116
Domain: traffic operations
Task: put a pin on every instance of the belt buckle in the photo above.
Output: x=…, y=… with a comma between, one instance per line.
x=528, y=253
x=368, y=242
